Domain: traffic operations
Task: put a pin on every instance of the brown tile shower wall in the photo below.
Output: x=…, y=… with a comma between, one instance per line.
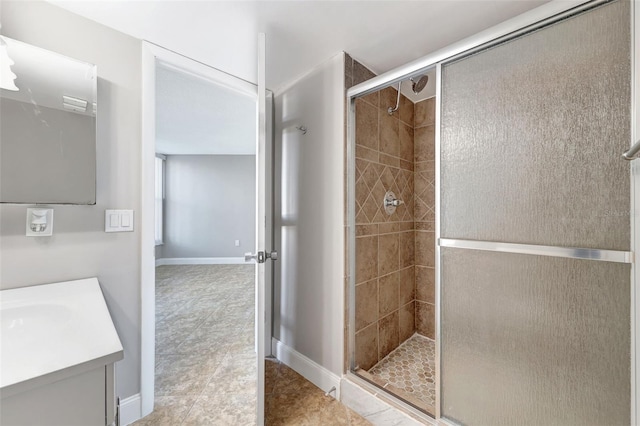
x=385, y=244
x=424, y=183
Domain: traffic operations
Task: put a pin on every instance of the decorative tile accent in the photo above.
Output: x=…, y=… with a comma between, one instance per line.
x=410, y=370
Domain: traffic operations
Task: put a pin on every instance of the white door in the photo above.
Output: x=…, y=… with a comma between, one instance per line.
x=263, y=254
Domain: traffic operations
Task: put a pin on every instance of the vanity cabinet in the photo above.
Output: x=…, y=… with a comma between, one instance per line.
x=79, y=400
x=58, y=347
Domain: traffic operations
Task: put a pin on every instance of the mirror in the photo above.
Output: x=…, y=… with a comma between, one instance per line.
x=48, y=126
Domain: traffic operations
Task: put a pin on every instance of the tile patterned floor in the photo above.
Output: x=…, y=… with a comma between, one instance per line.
x=205, y=359
x=409, y=371
x=290, y=400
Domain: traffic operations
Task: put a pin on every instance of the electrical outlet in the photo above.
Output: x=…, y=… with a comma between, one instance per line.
x=237, y=243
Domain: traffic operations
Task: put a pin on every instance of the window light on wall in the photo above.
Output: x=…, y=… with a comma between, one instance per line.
x=7, y=77
x=159, y=198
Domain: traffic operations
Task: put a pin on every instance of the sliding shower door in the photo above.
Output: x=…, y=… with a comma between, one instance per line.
x=535, y=227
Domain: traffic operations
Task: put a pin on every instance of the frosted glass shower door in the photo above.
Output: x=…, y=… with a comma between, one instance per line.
x=535, y=227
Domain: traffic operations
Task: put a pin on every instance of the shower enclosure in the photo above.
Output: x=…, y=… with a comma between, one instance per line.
x=395, y=254
x=499, y=292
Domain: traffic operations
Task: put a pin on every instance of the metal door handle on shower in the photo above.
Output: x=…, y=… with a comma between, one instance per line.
x=631, y=153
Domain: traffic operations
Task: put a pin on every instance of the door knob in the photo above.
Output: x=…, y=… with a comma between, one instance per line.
x=248, y=257
x=261, y=256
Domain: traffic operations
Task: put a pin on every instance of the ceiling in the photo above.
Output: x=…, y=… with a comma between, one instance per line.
x=198, y=117
x=300, y=34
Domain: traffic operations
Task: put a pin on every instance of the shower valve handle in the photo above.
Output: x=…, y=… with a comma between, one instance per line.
x=394, y=203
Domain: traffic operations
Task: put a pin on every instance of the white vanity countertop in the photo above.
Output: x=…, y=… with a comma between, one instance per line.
x=53, y=331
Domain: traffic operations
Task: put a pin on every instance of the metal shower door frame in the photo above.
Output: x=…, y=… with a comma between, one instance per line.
x=542, y=16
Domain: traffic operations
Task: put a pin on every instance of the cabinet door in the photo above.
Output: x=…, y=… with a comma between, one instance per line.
x=76, y=401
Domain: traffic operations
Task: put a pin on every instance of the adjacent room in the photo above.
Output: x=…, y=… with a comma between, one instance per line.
x=204, y=221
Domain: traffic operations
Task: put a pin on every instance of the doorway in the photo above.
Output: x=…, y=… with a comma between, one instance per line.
x=199, y=297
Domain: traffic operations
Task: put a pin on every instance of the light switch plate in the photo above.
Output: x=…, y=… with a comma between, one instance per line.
x=118, y=221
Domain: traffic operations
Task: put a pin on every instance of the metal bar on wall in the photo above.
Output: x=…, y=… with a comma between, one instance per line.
x=540, y=250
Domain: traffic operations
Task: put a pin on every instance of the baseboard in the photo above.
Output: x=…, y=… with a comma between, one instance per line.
x=309, y=369
x=130, y=409
x=200, y=261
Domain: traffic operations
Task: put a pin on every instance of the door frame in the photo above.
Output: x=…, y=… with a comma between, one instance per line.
x=153, y=54
x=511, y=28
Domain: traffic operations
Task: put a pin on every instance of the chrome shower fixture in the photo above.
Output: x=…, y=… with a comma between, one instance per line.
x=390, y=202
x=418, y=86
x=391, y=110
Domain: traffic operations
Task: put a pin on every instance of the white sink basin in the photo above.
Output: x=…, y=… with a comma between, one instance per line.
x=51, y=329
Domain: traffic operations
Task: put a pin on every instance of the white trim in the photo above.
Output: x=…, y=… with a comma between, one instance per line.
x=151, y=56
x=635, y=205
x=201, y=261
x=308, y=368
x=147, y=233
x=130, y=409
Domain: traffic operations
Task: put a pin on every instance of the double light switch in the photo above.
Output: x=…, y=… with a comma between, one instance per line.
x=118, y=221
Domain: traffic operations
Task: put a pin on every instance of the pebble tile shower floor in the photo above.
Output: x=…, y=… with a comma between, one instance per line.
x=409, y=371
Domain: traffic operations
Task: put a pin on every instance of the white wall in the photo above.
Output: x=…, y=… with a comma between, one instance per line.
x=309, y=218
x=209, y=203
x=79, y=247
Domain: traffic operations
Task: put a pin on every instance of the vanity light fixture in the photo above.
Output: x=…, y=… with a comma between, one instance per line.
x=7, y=77
x=74, y=104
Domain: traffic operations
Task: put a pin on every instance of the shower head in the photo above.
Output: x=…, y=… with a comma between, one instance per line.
x=418, y=86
